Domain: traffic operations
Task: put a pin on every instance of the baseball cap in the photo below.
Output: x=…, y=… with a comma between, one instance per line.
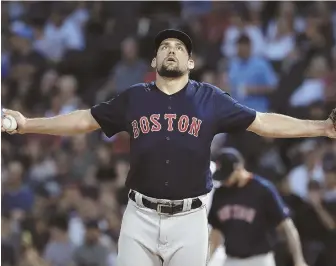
x=176, y=34
x=226, y=159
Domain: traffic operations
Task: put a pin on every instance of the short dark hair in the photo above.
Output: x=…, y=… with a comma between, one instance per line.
x=59, y=221
x=92, y=224
x=244, y=39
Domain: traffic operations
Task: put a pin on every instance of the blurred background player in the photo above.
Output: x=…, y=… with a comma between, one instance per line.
x=246, y=211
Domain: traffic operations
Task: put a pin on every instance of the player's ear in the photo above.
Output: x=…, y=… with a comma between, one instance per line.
x=153, y=64
x=191, y=64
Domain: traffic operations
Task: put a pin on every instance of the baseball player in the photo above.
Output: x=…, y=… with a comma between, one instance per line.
x=246, y=209
x=172, y=122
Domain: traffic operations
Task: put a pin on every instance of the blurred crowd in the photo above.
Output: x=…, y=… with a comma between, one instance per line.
x=62, y=198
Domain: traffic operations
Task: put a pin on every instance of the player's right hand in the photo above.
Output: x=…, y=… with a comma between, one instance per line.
x=20, y=120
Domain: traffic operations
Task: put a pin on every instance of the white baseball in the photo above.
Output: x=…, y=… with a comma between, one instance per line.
x=9, y=123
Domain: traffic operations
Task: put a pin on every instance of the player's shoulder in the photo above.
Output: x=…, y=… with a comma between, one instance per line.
x=218, y=192
x=207, y=88
x=140, y=87
x=134, y=91
x=264, y=183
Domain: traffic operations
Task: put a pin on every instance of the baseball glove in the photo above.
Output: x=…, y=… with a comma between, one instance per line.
x=332, y=117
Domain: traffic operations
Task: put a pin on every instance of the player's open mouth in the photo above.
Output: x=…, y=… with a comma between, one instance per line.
x=171, y=59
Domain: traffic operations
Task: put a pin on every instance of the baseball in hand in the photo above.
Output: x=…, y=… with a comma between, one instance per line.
x=9, y=123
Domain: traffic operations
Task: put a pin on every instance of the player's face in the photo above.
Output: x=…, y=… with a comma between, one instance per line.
x=244, y=50
x=172, y=59
x=230, y=181
x=92, y=235
x=234, y=177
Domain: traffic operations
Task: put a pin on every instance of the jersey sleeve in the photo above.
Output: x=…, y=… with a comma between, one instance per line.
x=276, y=209
x=111, y=115
x=230, y=115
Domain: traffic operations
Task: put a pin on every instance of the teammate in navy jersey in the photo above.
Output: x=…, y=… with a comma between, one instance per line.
x=246, y=210
x=172, y=122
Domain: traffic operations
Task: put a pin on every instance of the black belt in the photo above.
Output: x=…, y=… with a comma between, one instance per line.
x=245, y=256
x=166, y=208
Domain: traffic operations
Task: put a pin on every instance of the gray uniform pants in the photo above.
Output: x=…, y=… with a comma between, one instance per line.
x=148, y=238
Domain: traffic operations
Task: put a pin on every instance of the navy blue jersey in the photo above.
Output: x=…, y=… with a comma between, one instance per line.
x=171, y=135
x=247, y=216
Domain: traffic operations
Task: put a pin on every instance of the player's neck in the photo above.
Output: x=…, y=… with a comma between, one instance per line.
x=171, y=85
x=244, y=178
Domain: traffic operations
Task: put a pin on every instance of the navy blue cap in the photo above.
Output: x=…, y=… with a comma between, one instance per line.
x=176, y=34
x=226, y=160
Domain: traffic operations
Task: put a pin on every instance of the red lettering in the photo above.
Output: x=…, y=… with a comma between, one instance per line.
x=249, y=215
x=195, y=126
x=183, y=123
x=156, y=124
x=144, y=125
x=238, y=212
x=152, y=123
x=136, y=131
x=170, y=118
x=224, y=213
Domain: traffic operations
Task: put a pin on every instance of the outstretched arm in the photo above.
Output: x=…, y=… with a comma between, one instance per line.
x=282, y=126
x=76, y=122
x=109, y=116
x=293, y=240
x=216, y=239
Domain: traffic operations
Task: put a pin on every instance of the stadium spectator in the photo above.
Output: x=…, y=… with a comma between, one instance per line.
x=240, y=25
x=281, y=43
x=62, y=33
x=251, y=77
x=59, y=250
x=313, y=87
x=311, y=170
x=91, y=252
x=128, y=71
x=18, y=198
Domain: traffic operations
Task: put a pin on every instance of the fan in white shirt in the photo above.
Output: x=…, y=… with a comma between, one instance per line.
x=312, y=88
x=309, y=170
x=239, y=25
x=280, y=42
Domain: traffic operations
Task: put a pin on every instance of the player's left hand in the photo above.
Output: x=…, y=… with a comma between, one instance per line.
x=331, y=125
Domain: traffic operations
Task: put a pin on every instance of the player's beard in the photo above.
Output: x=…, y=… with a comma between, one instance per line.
x=165, y=71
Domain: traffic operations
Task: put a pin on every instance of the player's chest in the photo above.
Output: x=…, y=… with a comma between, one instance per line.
x=237, y=207
x=178, y=115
